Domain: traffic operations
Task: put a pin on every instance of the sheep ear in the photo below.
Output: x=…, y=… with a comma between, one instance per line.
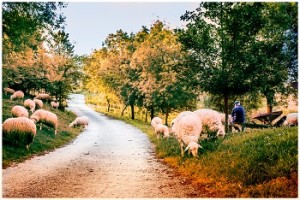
x=187, y=148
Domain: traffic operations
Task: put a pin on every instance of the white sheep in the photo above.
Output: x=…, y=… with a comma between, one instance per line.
x=43, y=96
x=19, y=131
x=222, y=116
x=29, y=104
x=187, y=128
x=163, y=130
x=291, y=120
x=45, y=117
x=19, y=111
x=38, y=103
x=54, y=104
x=83, y=120
x=211, y=121
x=180, y=115
x=17, y=95
x=8, y=90
x=155, y=121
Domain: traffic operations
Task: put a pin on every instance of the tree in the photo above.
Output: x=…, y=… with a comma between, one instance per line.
x=156, y=59
x=37, y=53
x=23, y=23
x=228, y=54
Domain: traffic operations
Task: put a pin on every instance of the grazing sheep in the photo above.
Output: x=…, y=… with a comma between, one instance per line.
x=19, y=131
x=222, y=116
x=155, y=121
x=45, y=117
x=8, y=90
x=54, y=104
x=161, y=129
x=180, y=115
x=83, y=120
x=38, y=103
x=43, y=96
x=187, y=128
x=19, y=111
x=211, y=121
x=29, y=104
x=291, y=120
x=17, y=95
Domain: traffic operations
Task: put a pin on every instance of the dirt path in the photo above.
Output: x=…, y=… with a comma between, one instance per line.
x=109, y=159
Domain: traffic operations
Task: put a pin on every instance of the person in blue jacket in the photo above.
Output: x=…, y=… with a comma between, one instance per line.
x=238, y=116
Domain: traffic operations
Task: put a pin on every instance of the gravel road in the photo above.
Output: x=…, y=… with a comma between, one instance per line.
x=109, y=159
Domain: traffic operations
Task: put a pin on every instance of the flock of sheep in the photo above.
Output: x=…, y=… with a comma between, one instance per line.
x=188, y=127
x=21, y=128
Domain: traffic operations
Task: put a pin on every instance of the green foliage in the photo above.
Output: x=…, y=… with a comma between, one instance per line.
x=238, y=48
x=37, y=53
x=45, y=139
x=23, y=21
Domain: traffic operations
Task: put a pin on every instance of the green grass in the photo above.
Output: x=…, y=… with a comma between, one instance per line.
x=45, y=139
x=257, y=163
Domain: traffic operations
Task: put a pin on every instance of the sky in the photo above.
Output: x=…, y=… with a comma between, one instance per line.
x=89, y=23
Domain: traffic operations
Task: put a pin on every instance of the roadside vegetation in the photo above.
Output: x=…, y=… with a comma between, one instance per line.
x=45, y=139
x=258, y=163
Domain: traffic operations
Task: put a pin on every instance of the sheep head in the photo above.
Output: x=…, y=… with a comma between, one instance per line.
x=193, y=148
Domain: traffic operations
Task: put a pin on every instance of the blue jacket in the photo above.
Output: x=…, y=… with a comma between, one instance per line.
x=238, y=114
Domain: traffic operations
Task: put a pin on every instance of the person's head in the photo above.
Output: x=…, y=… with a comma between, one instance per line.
x=237, y=103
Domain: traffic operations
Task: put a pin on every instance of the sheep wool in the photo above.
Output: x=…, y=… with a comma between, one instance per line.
x=291, y=120
x=43, y=96
x=45, y=117
x=155, y=121
x=54, y=104
x=38, y=103
x=19, y=111
x=17, y=95
x=29, y=104
x=19, y=131
x=211, y=121
x=83, y=120
x=173, y=124
x=222, y=116
x=187, y=128
x=163, y=130
x=8, y=90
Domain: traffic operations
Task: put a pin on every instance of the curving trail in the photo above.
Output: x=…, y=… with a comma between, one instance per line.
x=109, y=159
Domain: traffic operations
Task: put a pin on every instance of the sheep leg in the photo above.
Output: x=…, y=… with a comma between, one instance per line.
x=40, y=126
x=181, y=147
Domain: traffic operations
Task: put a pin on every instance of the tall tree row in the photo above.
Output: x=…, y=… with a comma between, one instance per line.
x=141, y=69
x=228, y=49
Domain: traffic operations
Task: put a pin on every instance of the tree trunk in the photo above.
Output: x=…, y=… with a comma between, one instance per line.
x=132, y=111
x=167, y=116
x=122, y=113
x=108, y=106
x=270, y=98
x=226, y=112
x=152, y=113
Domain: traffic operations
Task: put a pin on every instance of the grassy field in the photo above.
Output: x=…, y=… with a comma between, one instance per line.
x=45, y=139
x=257, y=163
